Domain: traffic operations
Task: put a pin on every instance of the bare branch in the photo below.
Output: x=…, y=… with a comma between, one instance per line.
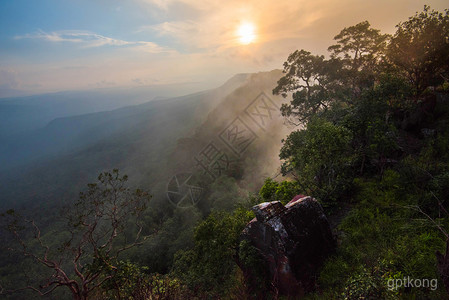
x=96, y=220
x=437, y=225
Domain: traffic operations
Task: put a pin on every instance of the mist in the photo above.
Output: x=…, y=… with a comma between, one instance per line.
x=50, y=161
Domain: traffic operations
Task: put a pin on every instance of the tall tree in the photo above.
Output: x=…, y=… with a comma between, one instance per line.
x=309, y=78
x=420, y=48
x=318, y=156
x=316, y=83
x=360, y=46
x=96, y=230
x=361, y=49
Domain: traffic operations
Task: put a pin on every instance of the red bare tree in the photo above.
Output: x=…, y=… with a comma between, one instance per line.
x=96, y=226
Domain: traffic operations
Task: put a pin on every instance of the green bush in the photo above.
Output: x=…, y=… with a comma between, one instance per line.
x=321, y=158
x=210, y=267
x=275, y=191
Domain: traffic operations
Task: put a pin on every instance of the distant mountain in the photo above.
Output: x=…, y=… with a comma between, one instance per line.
x=60, y=158
x=23, y=114
x=7, y=92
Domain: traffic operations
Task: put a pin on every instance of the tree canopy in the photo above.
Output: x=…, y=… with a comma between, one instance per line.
x=420, y=49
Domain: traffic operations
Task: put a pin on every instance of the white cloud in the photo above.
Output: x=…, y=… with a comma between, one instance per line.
x=88, y=39
x=61, y=36
x=150, y=47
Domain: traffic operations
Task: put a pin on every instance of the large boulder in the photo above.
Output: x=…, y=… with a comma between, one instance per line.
x=291, y=242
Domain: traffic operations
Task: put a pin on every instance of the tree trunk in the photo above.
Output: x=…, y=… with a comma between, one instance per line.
x=80, y=296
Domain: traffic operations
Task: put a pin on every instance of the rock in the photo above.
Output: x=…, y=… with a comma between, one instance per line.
x=292, y=243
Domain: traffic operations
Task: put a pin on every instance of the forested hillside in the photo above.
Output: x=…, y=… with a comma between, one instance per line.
x=366, y=133
x=53, y=163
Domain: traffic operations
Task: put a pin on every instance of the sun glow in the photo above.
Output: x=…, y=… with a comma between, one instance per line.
x=246, y=33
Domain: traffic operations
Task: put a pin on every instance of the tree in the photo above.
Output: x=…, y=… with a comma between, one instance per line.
x=96, y=229
x=420, y=49
x=275, y=191
x=316, y=83
x=225, y=193
x=361, y=49
x=360, y=46
x=209, y=268
x=319, y=156
x=309, y=78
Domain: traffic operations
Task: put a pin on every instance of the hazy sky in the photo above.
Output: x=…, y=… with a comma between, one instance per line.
x=51, y=45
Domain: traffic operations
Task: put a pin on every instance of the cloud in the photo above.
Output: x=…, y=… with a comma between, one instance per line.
x=105, y=83
x=213, y=24
x=57, y=36
x=193, y=40
x=88, y=39
x=150, y=47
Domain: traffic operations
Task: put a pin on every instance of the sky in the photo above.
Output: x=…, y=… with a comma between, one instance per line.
x=56, y=45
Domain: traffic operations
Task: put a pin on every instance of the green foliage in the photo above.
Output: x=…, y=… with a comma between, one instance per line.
x=354, y=105
x=365, y=284
x=165, y=287
x=130, y=281
x=393, y=90
x=306, y=76
x=374, y=135
x=123, y=280
x=360, y=49
x=225, y=194
x=249, y=257
x=359, y=45
x=419, y=48
x=380, y=240
x=251, y=261
x=275, y=191
x=286, y=190
x=268, y=190
x=210, y=266
x=320, y=157
x=317, y=84
x=175, y=233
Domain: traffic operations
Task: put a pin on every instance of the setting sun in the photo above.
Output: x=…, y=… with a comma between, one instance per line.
x=246, y=33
